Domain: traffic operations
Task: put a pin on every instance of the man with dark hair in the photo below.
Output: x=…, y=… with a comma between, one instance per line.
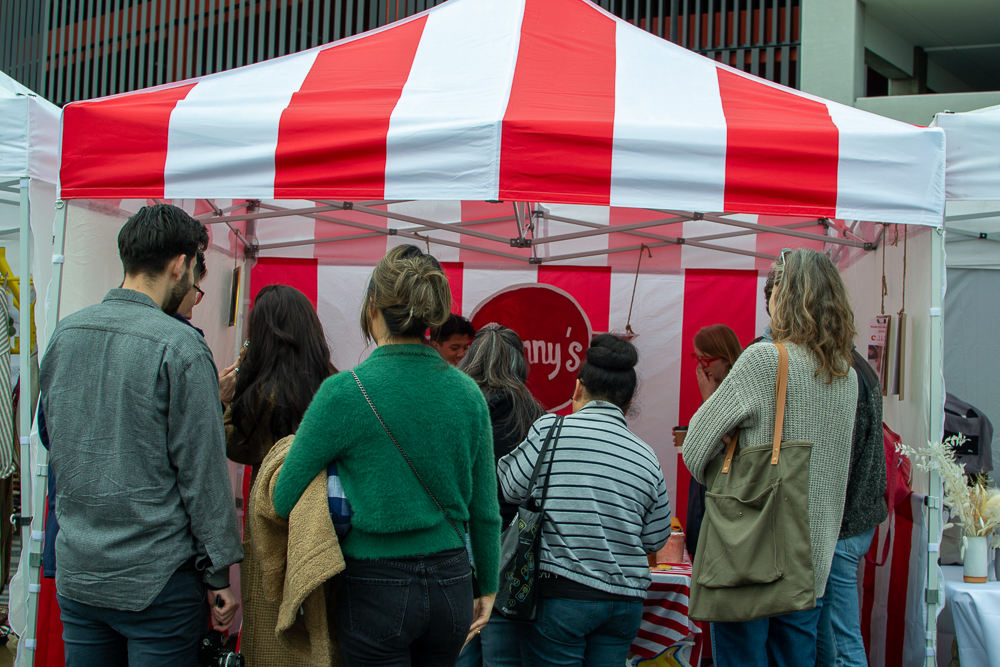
x=147, y=520
x=453, y=338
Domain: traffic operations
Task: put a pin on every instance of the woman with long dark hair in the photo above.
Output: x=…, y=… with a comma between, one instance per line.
x=411, y=436
x=811, y=317
x=496, y=362
x=283, y=363
x=606, y=509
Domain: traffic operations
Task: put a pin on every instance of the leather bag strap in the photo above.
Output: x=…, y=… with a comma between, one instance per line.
x=779, y=414
x=730, y=451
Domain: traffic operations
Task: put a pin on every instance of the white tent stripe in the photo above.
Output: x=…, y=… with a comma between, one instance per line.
x=883, y=167
x=444, y=134
x=670, y=131
x=229, y=148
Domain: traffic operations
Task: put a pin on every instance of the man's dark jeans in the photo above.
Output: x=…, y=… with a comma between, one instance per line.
x=405, y=611
x=167, y=632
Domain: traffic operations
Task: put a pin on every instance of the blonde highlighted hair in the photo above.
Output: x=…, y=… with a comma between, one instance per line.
x=411, y=291
x=812, y=309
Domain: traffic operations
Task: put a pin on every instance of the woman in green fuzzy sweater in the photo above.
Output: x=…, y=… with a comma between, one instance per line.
x=407, y=595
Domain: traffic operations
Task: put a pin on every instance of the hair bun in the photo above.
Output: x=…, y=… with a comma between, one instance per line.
x=612, y=353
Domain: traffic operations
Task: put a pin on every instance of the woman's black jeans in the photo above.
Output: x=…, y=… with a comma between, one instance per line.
x=404, y=612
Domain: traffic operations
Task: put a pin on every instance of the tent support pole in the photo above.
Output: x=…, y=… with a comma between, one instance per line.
x=443, y=226
x=932, y=594
x=608, y=229
x=27, y=523
x=785, y=232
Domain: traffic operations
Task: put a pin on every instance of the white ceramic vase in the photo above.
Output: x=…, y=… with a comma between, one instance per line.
x=976, y=559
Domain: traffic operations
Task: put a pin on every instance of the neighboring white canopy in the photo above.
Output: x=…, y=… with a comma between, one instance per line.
x=29, y=134
x=973, y=154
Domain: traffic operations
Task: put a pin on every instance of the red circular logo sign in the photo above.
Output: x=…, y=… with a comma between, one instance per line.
x=555, y=332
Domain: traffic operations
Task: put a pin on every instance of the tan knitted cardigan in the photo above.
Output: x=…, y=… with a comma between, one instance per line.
x=815, y=411
x=288, y=563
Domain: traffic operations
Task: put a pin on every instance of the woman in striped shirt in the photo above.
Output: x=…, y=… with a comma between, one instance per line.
x=606, y=509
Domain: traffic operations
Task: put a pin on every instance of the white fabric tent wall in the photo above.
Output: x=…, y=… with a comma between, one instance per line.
x=972, y=219
x=29, y=133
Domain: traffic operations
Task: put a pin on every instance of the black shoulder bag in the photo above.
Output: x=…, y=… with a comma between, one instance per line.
x=517, y=597
x=475, y=581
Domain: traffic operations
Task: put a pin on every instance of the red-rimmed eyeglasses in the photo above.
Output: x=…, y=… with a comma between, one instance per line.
x=704, y=362
x=201, y=294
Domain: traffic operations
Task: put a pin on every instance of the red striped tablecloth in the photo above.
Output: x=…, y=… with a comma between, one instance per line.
x=667, y=637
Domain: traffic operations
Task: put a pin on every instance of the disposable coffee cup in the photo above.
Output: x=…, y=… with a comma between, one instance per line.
x=680, y=432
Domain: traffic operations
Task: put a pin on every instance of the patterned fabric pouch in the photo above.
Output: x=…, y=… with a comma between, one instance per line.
x=340, y=507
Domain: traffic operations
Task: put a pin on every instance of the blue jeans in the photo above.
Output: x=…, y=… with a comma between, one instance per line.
x=780, y=641
x=579, y=633
x=167, y=632
x=498, y=645
x=404, y=612
x=839, y=643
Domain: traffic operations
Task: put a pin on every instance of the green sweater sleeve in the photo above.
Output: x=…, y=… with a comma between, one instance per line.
x=315, y=445
x=484, y=508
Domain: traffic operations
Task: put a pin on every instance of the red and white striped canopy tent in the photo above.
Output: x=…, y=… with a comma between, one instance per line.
x=524, y=100
x=600, y=139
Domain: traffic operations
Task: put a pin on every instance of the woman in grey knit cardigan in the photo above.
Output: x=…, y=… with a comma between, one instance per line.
x=812, y=316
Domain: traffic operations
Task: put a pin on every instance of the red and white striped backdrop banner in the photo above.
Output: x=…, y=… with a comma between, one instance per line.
x=525, y=100
x=893, y=609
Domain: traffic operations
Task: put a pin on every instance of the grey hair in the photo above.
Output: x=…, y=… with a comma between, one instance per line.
x=496, y=362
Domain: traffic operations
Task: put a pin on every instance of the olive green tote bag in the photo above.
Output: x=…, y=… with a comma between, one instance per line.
x=754, y=557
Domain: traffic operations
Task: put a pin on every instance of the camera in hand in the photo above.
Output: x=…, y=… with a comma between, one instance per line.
x=214, y=654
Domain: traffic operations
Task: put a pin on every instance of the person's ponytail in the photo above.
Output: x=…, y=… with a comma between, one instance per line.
x=410, y=290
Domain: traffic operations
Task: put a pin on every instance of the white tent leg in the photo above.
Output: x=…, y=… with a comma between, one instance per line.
x=38, y=491
x=932, y=593
x=28, y=543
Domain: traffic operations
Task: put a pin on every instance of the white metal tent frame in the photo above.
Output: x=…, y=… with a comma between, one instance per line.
x=526, y=216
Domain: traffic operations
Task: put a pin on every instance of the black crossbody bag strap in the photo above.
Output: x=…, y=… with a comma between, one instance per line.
x=408, y=461
x=550, y=439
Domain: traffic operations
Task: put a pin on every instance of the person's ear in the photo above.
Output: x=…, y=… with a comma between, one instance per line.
x=178, y=267
x=578, y=391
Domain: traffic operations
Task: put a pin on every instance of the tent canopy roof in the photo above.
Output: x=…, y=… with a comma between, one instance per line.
x=525, y=100
x=973, y=162
x=29, y=133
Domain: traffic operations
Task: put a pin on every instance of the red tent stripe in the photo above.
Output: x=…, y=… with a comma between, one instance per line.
x=296, y=272
x=902, y=544
x=350, y=92
x=456, y=277
x=781, y=152
x=589, y=285
x=558, y=130
x=119, y=143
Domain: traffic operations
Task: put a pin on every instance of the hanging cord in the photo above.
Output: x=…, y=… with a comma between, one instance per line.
x=885, y=288
x=628, y=324
x=895, y=242
x=902, y=308
x=426, y=239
